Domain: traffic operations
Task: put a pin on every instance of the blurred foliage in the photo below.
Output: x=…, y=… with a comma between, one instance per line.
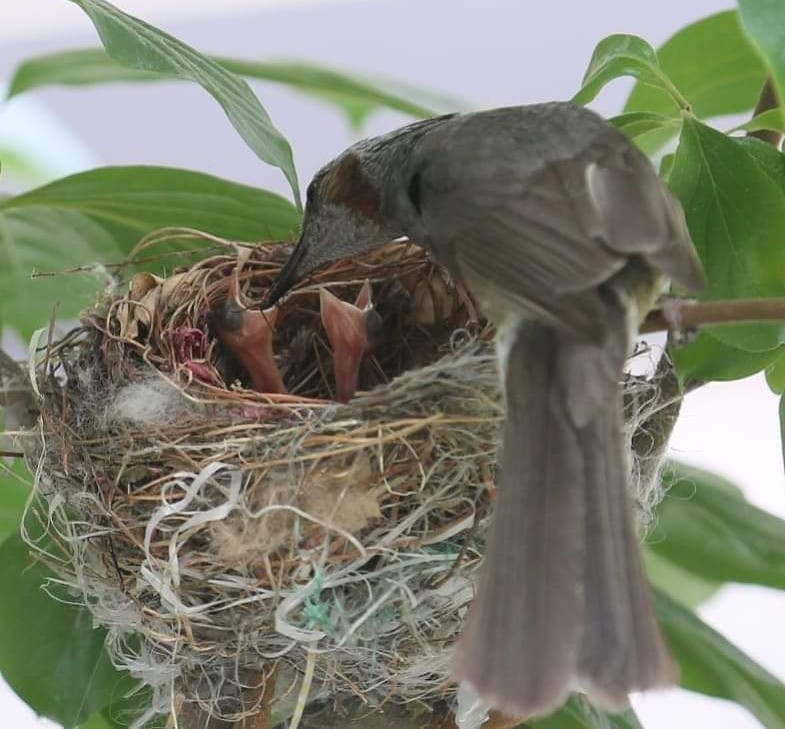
x=51, y=653
x=96, y=218
x=711, y=665
x=732, y=189
x=351, y=94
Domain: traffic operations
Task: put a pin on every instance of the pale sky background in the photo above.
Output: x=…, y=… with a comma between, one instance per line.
x=489, y=52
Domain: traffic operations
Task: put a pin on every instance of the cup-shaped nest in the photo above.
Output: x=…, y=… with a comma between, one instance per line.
x=253, y=551
x=253, y=546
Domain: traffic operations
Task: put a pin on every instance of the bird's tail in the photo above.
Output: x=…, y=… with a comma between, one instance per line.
x=562, y=603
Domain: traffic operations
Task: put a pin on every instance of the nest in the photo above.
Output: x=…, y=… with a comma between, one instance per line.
x=253, y=553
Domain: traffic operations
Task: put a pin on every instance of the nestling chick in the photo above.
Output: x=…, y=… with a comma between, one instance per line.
x=248, y=335
x=350, y=329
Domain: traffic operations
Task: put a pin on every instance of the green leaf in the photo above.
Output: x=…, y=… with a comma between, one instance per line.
x=14, y=490
x=98, y=216
x=711, y=665
x=641, y=123
x=357, y=97
x=782, y=427
x=137, y=44
x=706, y=527
x=773, y=119
x=707, y=359
x=735, y=213
x=712, y=63
x=17, y=165
x=764, y=23
x=775, y=375
x=123, y=712
x=97, y=721
x=682, y=585
x=624, y=55
x=50, y=653
x=769, y=159
x=578, y=713
x=666, y=165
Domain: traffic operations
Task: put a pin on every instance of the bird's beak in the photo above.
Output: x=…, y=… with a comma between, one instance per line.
x=288, y=275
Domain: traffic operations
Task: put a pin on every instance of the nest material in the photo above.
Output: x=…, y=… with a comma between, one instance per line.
x=247, y=550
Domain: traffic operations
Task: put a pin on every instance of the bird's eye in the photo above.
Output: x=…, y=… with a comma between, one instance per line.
x=414, y=192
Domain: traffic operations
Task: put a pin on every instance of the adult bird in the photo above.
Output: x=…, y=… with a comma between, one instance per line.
x=564, y=234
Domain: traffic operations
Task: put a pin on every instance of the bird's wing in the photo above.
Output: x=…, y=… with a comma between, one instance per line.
x=546, y=238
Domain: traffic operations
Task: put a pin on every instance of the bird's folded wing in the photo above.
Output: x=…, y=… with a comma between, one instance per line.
x=545, y=240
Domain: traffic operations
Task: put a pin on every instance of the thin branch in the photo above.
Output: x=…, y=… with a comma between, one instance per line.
x=766, y=101
x=678, y=314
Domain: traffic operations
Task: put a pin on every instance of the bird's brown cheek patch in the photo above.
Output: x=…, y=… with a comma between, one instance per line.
x=348, y=185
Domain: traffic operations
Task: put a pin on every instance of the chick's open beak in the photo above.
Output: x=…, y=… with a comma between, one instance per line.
x=248, y=335
x=347, y=327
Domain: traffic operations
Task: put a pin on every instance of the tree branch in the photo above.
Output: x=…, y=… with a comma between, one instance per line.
x=683, y=314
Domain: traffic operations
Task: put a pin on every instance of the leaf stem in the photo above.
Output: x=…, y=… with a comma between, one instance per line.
x=685, y=314
x=683, y=103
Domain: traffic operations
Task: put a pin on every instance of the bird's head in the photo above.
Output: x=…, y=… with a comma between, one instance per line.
x=355, y=203
x=344, y=215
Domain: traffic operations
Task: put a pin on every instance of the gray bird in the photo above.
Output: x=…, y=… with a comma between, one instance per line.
x=563, y=232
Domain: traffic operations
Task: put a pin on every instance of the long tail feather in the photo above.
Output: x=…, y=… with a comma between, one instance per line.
x=562, y=602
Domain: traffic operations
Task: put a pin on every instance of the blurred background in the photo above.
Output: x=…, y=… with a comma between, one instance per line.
x=486, y=52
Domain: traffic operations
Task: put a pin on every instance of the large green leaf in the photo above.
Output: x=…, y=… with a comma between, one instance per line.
x=706, y=527
x=680, y=584
x=775, y=378
x=707, y=359
x=637, y=124
x=775, y=375
x=124, y=711
x=712, y=63
x=50, y=653
x=711, y=665
x=98, y=216
x=98, y=721
x=782, y=427
x=624, y=55
x=769, y=159
x=14, y=490
x=736, y=216
x=139, y=45
x=771, y=119
x=20, y=166
x=354, y=95
x=578, y=713
x=764, y=22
